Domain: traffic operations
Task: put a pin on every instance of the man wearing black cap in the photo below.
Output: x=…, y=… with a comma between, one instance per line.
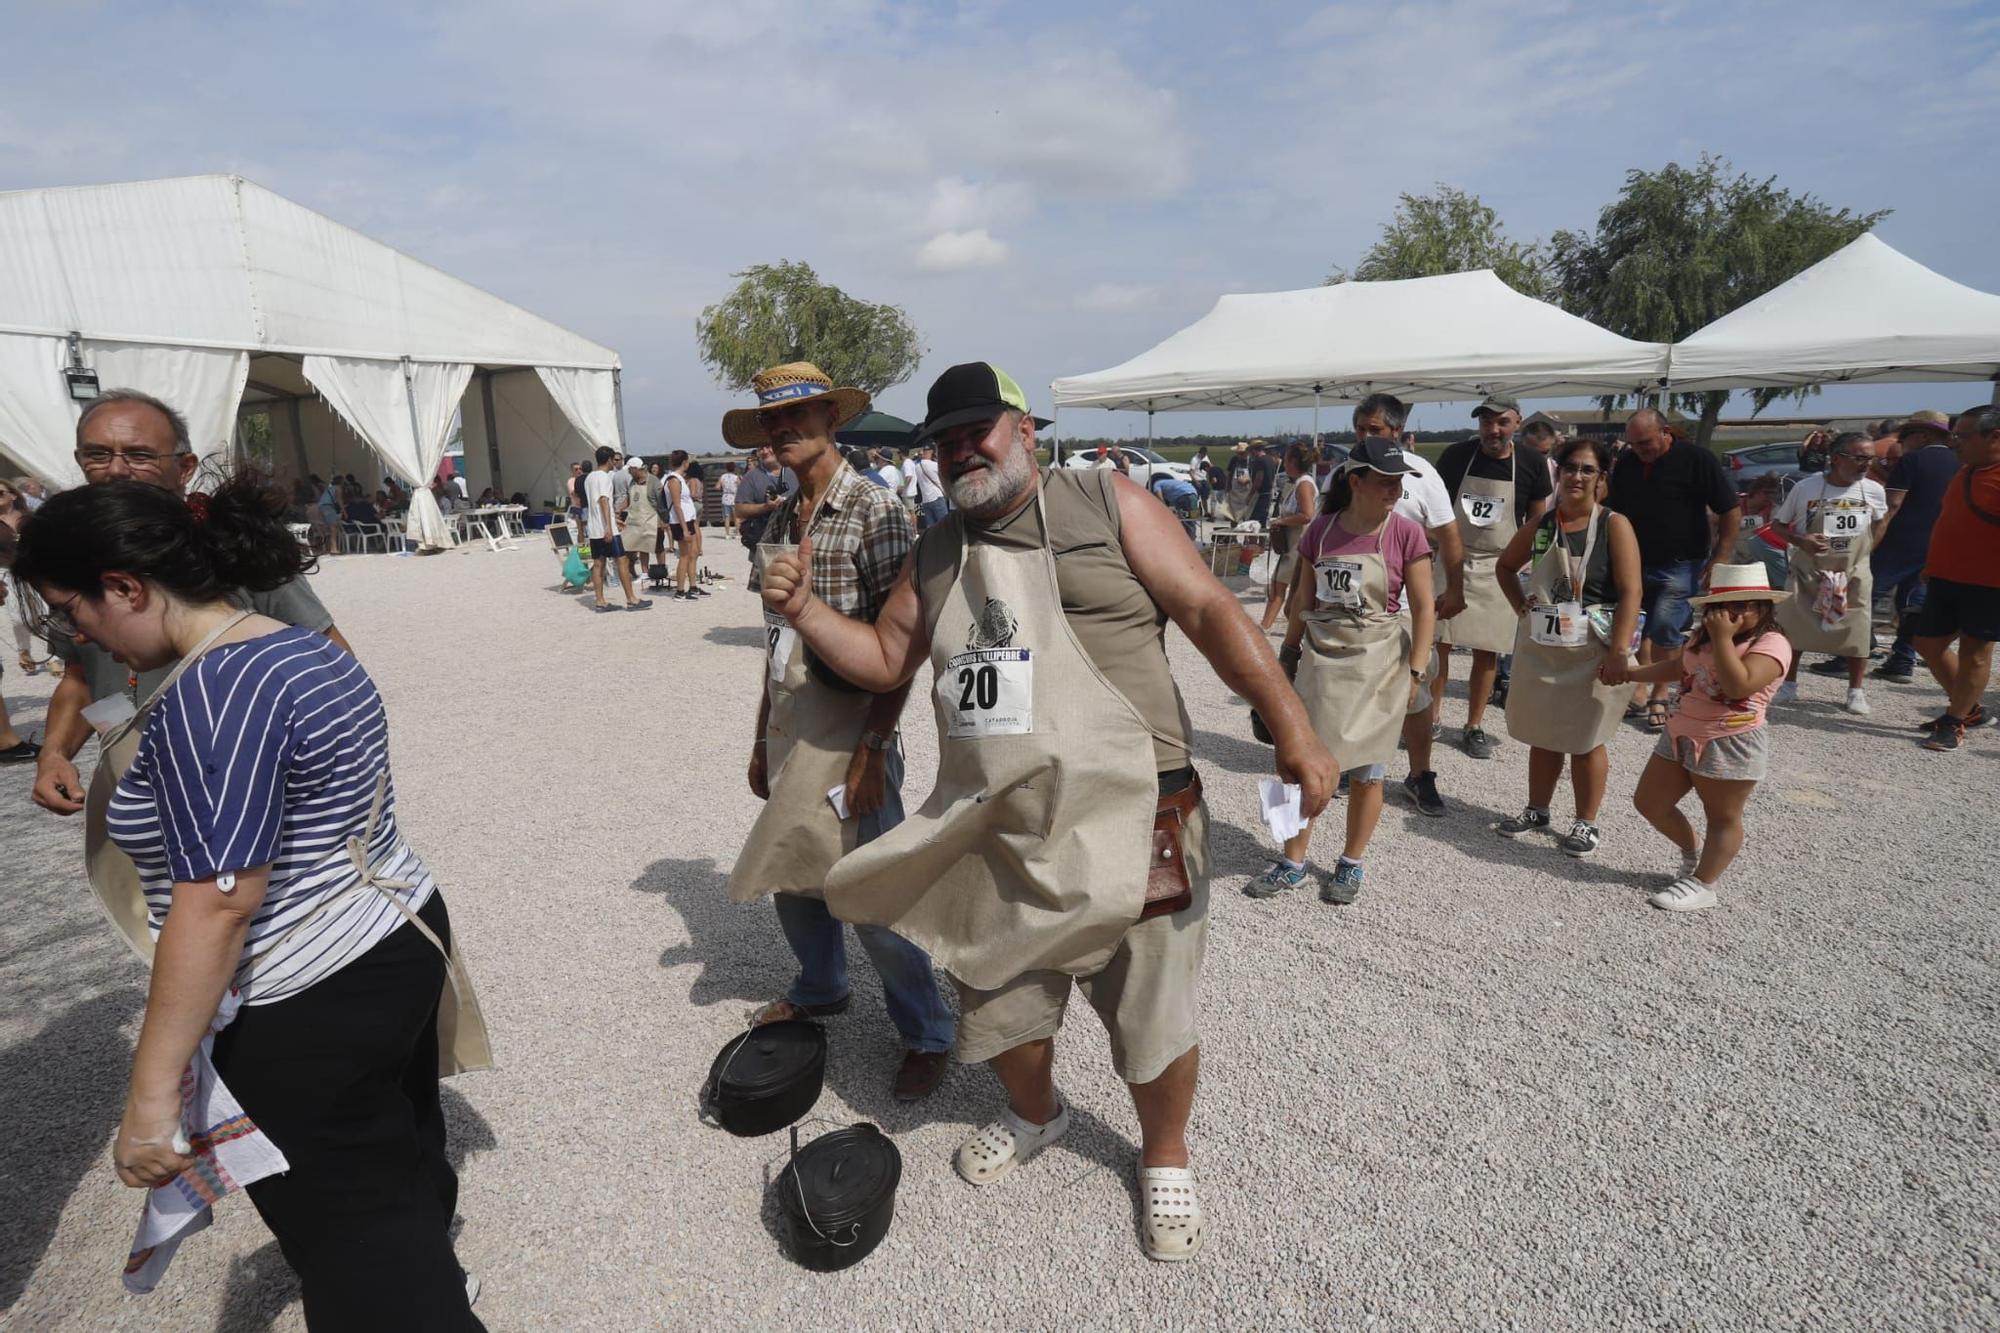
x=1064, y=843
x=1496, y=489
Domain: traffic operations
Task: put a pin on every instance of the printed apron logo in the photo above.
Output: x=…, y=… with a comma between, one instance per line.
x=994, y=628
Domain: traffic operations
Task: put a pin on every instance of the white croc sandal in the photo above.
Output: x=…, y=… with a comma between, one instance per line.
x=996, y=1150
x=1170, y=1220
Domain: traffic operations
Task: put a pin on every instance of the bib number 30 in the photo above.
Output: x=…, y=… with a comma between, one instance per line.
x=989, y=692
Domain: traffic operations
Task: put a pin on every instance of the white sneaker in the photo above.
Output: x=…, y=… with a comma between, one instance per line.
x=1786, y=692
x=1857, y=702
x=994, y=1152
x=1686, y=894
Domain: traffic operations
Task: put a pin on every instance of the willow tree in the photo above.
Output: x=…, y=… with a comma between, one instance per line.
x=782, y=312
x=1681, y=247
x=1449, y=231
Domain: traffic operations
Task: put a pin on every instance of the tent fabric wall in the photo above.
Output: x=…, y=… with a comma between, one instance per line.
x=589, y=398
x=204, y=384
x=37, y=420
x=404, y=410
x=538, y=441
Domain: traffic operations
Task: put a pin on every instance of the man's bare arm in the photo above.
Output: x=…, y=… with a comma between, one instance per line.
x=878, y=657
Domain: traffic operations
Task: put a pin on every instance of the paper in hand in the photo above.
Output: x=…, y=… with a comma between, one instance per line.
x=837, y=798
x=1280, y=802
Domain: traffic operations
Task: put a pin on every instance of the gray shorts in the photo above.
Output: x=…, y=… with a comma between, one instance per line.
x=1738, y=758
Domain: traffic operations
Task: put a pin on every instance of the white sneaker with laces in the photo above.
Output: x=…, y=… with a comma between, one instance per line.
x=1686, y=894
x=1857, y=702
x=1787, y=692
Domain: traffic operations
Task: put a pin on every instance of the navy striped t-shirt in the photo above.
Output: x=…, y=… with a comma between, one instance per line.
x=268, y=752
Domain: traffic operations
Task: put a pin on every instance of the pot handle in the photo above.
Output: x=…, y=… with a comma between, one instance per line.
x=853, y=1229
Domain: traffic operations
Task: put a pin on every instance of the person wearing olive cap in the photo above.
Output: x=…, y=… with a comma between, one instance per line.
x=1065, y=841
x=1497, y=490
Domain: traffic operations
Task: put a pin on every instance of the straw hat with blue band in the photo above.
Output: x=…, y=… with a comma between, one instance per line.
x=974, y=391
x=781, y=386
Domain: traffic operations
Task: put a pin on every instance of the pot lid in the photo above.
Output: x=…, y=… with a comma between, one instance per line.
x=770, y=1060
x=843, y=1176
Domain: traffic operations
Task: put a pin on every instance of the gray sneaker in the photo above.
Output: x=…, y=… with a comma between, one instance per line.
x=1581, y=840
x=1530, y=820
x=1275, y=881
x=1477, y=743
x=1344, y=887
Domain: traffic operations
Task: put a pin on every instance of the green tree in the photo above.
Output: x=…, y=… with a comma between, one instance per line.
x=782, y=312
x=1449, y=231
x=1681, y=247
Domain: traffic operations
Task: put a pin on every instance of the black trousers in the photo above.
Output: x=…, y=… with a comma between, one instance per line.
x=343, y=1078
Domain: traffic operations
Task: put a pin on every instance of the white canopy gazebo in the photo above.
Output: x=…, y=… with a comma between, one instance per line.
x=219, y=296
x=1464, y=335
x=1866, y=313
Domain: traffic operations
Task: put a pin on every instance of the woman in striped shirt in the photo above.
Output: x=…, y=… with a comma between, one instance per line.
x=260, y=818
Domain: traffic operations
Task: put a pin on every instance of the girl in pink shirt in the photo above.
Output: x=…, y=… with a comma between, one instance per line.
x=1715, y=743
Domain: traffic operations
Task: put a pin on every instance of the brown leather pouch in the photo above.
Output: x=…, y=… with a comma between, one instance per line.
x=1168, y=888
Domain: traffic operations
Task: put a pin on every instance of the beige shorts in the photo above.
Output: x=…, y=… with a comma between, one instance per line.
x=1146, y=995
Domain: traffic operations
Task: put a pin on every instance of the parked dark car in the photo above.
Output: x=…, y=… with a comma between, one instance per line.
x=1753, y=461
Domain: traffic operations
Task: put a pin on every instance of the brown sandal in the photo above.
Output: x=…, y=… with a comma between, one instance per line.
x=784, y=1011
x=1656, y=714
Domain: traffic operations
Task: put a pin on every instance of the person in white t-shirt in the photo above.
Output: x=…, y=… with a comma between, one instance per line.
x=729, y=481
x=931, y=504
x=1426, y=500
x=910, y=470
x=601, y=527
x=1801, y=522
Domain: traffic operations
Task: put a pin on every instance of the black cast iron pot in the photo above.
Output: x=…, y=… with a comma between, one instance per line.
x=767, y=1078
x=839, y=1196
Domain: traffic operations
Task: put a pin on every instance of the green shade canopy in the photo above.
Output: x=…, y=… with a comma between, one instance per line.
x=875, y=430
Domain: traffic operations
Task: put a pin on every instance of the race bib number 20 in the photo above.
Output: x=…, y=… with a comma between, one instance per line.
x=988, y=692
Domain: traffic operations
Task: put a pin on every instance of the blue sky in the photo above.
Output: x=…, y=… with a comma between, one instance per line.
x=1051, y=187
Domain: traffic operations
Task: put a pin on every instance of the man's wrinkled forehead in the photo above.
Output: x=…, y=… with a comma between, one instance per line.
x=128, y=423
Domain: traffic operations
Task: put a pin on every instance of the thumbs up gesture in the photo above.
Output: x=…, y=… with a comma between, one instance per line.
x=787, y=582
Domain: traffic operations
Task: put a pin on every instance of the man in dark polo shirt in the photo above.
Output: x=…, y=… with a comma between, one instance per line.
x=129, y=436
x=1681, y=506
x=1916, y=486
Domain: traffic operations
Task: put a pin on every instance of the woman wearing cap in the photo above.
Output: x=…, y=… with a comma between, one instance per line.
x=1572, y=649
x=1297, y=503
x=642, y=516
x=1715, y=742
x=1356, y=662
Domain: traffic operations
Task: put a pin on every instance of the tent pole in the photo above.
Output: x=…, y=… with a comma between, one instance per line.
x=1315, y=416
x=416, y=430
x=298, y=439
x=492, y=429
x=618, y=405
x=1149, y=423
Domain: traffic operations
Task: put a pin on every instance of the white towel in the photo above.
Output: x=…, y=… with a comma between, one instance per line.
x=1280, y=802
x=229, y=1153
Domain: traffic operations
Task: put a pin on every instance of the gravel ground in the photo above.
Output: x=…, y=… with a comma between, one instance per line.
x=1499, y=1091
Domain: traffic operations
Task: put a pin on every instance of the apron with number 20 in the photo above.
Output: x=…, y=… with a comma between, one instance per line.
x=1486, y=523
x=1354, y=678
x=1032, y=852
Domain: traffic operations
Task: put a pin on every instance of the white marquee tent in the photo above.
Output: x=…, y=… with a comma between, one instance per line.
x=1864, y=313
x=222, y=298
x=1464, y=335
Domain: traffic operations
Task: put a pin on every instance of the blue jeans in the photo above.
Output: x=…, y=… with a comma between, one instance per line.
x=1665, y=589
x=820, y=944
x=1903, y=574
x=931, y=514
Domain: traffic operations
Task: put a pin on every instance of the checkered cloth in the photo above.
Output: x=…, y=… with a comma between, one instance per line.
x=229, y=1153
x=860, y=539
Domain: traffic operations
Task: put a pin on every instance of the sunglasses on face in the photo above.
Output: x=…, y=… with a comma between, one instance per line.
x=97, y=457
x=1577, y=470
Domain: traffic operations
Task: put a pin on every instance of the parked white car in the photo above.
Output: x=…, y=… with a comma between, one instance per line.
x=1143, y=462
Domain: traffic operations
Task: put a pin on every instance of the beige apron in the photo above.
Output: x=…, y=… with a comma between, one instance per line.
x=1486, y=523
x=463, y=1042
x=1032, y=852
x=810, y=737
x=1855, y=635
x=1556, y=701
x=1355, y=678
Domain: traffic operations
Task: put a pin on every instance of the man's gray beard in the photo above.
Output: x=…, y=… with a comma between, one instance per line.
x=988, y=492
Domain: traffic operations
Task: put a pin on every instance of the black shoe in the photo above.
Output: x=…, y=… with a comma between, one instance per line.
x=1832, y=666
x=1477, y=743
x=1948, y=734
x=1422, y=789
x=1895, y=672
x=1340, y=792
x=1498, y=699
x=24, y=752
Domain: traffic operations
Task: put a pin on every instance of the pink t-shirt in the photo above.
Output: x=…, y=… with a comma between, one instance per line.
x=1704, y=713
x=1400, y=542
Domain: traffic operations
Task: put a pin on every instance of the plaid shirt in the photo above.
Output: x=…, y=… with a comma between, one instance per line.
x=860, y=540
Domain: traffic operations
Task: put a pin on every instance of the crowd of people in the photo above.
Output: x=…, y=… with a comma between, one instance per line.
x=250, y=847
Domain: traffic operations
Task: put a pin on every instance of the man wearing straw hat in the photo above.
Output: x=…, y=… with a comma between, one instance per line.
x=1065, y=841
x=826, y=760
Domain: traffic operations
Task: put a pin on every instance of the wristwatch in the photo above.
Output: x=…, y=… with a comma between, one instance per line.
x=875, y=740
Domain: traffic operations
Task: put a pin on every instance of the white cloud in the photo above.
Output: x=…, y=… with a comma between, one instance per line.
x=955, y=251
x=1119, y=296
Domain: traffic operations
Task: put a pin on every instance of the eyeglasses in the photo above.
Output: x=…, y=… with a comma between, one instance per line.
x=1576, y=470
x=1855, y=458
x=97, y=458
x=56, y=621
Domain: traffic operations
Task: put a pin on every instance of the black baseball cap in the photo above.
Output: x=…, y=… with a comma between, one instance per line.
x=1378, y=455
x=1497, y=403
x=975, y=391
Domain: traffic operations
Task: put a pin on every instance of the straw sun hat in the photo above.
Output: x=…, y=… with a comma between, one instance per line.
x=793, y=382
x=1737, y=583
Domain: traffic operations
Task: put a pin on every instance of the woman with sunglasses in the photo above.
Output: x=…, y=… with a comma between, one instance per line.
x=253, y=852
x=1579, y=612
